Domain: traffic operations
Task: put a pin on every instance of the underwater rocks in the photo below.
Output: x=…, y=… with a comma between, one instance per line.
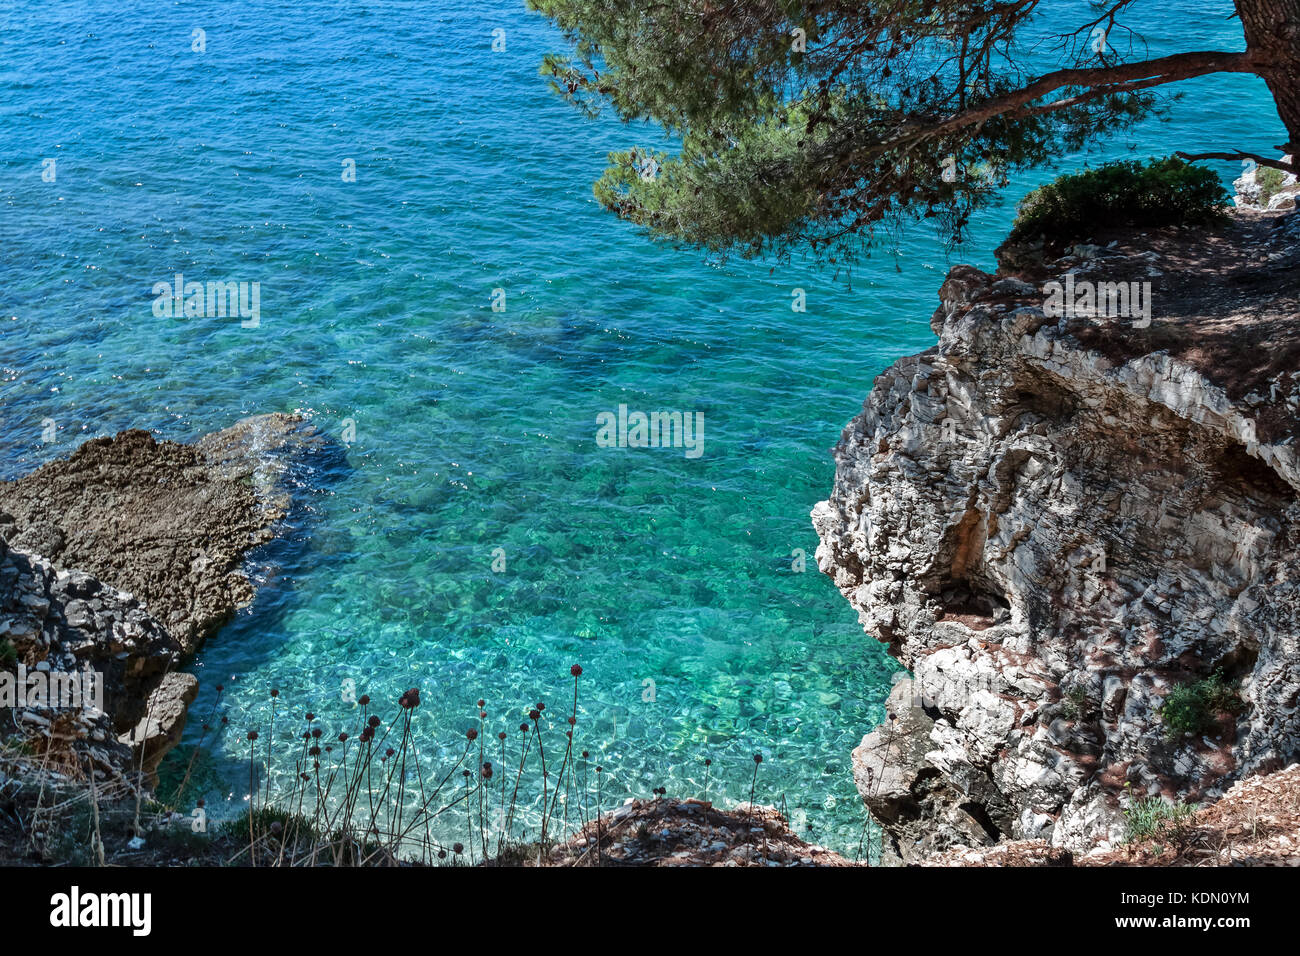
x=1055, y=523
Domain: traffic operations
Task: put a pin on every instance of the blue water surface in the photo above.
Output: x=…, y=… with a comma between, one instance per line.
x=673, y=581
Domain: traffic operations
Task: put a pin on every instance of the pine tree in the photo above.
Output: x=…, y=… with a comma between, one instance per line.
x=815, y=124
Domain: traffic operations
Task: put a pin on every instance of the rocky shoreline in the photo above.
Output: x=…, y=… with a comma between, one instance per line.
x=122, y=559
x=1056, y=522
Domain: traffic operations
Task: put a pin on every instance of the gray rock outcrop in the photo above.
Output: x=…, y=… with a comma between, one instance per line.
x=70, y=623
x=1053, y=523
x=1251, y=193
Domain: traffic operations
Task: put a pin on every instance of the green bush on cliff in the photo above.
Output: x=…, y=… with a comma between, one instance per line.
x=1269, y=181
x=1074, y=704
x=1161, y=192
x=1194, y=708
x=1149, y=817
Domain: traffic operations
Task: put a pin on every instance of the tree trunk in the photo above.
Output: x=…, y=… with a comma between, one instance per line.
x=1272, y=30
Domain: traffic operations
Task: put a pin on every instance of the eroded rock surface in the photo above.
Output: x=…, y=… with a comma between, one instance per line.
x=1256, y=823
x=1055, y=522
x=167, y=522
x=665, y=832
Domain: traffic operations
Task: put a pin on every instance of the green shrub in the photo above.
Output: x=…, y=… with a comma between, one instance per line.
x=1150, y=817
x=1194, y=708
x=1160, y=192
x=1074, y=704
x=1269, y=181
x=8, y=654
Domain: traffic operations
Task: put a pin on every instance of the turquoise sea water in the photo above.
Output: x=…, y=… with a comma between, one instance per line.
x=471, y=429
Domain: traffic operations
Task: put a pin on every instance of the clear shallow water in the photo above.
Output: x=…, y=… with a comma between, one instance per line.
x=474, y=429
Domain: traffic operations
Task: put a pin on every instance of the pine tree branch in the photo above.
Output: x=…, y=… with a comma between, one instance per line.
x=1292, y=167
x=1107, y=79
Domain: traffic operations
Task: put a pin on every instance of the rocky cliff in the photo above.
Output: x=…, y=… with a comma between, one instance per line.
x=69, y=622
x=1057, y=520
